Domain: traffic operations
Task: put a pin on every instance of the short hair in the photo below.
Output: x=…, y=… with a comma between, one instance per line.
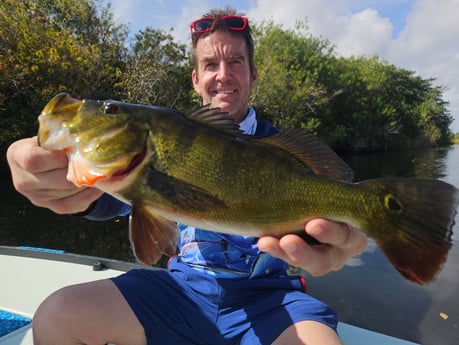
x=246, y=34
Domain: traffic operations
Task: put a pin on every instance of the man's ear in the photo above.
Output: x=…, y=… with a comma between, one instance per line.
x=195, y=80
x=254, y=77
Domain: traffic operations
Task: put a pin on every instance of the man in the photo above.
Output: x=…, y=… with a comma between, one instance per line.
x=221, y=289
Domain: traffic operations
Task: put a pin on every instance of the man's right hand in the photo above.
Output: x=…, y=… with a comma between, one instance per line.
x=41, y=176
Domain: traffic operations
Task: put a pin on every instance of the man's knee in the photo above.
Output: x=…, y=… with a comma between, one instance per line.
x=50, y=323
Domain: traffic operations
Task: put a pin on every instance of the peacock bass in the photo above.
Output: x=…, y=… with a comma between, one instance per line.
x=197, y=168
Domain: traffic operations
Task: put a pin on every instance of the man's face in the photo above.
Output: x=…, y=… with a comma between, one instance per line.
x=223, y=78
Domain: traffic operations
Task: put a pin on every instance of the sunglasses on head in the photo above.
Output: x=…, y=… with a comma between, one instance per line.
x=235, y=23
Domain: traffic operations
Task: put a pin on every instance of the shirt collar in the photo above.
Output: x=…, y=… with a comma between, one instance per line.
x=249, y=124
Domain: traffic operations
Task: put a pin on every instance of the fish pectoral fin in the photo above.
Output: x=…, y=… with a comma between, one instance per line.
x=312, y=152
x=151, y=235
x=181, y=194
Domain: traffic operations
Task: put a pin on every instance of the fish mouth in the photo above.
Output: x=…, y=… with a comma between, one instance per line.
x=133, y=164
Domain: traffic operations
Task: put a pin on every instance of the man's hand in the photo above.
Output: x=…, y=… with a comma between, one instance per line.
x=340, y=242
x=41, y=176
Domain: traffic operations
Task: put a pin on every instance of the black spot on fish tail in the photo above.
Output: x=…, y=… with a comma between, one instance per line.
x=392, y=204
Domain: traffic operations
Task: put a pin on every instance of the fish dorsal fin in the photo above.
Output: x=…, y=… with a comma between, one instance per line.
x=310, y=150
x=214, y=118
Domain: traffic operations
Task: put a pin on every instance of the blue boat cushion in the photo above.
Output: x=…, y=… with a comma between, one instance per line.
x=10, y=322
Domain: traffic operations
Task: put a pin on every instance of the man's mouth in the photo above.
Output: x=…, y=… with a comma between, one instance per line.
x=225, y=92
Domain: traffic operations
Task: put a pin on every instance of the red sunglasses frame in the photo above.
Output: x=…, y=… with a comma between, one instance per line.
x=245, y=22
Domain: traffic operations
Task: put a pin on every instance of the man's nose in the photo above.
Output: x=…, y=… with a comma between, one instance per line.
x=224, y=71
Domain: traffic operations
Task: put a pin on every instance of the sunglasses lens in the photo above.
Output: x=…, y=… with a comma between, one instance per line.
x=231, y=22
x=203, y=25
x=234, y=22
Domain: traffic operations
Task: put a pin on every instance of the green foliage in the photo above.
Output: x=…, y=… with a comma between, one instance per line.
x=157, y=72
x=384, y=104
x=292, y=69
x=50, y=46
x=359, y=103
x=352, y=103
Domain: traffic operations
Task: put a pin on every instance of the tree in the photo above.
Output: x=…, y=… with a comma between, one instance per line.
x=292, y=68
x=357, y=103
x=386, y=105
x=50, y=46
x=158, y=71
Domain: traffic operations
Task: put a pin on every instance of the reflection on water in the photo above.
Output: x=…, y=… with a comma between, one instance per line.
x=367, y=292
x=416, y=163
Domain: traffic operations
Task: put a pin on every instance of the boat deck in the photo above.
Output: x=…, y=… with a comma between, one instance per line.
x=29, y=276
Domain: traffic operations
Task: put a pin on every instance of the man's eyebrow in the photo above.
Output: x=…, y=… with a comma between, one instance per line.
x=206, y=59
x=237, y=56
x=211, y=58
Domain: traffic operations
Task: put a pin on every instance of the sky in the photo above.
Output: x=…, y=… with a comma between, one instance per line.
x=417, y=35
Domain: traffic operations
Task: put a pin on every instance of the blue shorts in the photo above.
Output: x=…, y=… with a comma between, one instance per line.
x=185, y=306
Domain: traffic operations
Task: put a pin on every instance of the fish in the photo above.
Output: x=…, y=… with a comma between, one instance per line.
x=198, y=168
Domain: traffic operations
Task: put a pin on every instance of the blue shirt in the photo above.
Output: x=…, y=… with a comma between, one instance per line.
x=222, y=255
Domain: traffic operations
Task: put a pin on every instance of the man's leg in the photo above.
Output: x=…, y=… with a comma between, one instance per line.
x=308, y=332
x=89, y=313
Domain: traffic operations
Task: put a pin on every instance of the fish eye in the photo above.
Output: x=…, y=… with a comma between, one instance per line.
x=110, y=108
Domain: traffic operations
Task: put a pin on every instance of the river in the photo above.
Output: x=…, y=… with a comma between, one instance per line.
x=367, y=292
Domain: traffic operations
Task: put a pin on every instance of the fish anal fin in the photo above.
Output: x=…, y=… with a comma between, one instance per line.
x=417, y=262
x=312, y=152
x=151, y=235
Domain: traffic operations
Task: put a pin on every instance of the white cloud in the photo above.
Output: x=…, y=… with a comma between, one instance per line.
x=364, y=33
x=428, y=45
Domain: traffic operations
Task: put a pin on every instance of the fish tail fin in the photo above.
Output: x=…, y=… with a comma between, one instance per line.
x=151, y=235
x=420, y=214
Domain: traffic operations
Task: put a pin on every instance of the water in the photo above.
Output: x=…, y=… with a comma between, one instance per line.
x=21, y=223
x=367, y=292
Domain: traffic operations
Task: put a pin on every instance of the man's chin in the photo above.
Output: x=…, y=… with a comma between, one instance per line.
x=223, y=105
